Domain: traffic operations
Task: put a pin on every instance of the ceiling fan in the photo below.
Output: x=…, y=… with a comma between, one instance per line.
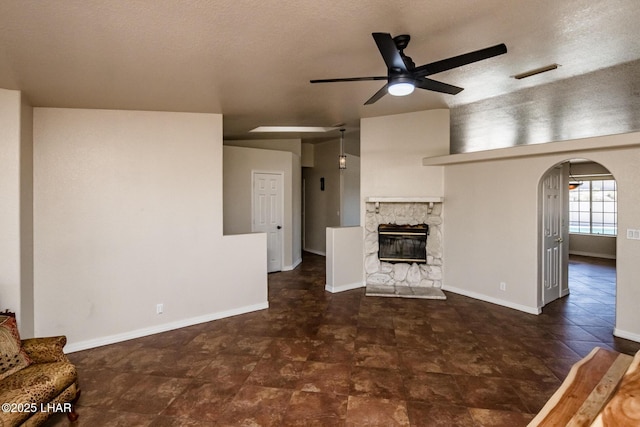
x=402, y=74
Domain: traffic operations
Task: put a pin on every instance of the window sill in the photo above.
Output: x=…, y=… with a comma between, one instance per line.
x=592, y=234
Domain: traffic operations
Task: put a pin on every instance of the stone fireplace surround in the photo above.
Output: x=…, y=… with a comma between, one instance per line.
x=408, y=280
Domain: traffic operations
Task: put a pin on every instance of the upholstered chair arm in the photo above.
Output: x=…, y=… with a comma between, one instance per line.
x=45, y=350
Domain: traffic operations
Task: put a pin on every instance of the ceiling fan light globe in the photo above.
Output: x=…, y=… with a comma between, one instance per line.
x=400, y=89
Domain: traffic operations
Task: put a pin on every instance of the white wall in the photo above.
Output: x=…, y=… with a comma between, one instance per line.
x=239, y=163
x=491, y=227
x=26, y=221
x=293, y=145
x=594, y=246
x=350, y=193
x=128, y=214
x=10, y=200
x=391, y=150
x=345, y=257
x=306, y=159
x=322, y=208
x=490, y=216
x=16, y=209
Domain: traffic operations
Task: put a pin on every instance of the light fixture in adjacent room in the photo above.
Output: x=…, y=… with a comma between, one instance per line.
x=573, y=183
x=400, y=86
x=342, y=158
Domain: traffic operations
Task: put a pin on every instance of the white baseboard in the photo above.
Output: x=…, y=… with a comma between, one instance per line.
x=313, y=251
x=482, y=297
x=143, y=332
x=292, y=267
x=342, y=288
x=626, y=335
x=592, y=254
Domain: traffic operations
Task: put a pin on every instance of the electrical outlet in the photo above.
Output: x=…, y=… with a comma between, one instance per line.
x=503, y=286
x=159, y=308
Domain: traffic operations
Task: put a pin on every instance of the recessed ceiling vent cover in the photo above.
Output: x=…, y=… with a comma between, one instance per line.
x=536, y=71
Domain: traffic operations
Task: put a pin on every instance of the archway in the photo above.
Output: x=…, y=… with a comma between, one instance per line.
x=581, y=221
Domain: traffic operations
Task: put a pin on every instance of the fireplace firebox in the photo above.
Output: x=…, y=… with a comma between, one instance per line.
x=402, y=243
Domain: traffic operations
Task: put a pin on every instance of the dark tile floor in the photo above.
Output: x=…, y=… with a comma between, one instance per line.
x=320, y=359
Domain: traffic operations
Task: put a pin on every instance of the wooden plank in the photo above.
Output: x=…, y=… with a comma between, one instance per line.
x=601, y=393
x=624, y=408
x=583, y=378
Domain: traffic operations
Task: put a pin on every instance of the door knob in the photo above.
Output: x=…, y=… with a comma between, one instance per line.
x=279, y=227
x=559, y=240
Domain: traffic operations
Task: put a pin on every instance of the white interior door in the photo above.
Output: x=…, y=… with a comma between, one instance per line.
x=267, y=215
x=553, y=245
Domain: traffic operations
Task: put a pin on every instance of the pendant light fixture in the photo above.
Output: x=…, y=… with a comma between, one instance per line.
x=342, y=158
x=573, y=183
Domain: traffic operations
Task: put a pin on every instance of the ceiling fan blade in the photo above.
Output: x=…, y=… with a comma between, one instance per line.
x=460, y=60
x=389, y=51
x=433, y=85
x=349, y=79
x=379, y=94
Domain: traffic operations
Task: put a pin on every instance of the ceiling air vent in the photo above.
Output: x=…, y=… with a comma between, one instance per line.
x=536, y=71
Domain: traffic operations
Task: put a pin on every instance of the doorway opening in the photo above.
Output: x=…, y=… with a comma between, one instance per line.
x=578, y=236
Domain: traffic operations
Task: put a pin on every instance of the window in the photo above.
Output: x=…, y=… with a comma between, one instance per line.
x=593, y=208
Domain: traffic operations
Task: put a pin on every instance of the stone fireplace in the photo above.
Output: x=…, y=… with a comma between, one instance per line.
x=411, y=279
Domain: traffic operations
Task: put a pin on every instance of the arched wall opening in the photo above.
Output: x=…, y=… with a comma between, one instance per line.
x=491, y=230
x=578, y=237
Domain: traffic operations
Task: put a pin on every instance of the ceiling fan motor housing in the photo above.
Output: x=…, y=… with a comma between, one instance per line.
x=402, y=41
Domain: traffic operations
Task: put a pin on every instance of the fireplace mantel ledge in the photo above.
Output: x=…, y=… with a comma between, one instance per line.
x=383, y=199
x=429, y=200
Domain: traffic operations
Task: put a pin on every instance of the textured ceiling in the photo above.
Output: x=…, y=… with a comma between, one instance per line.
x=603, y=102
x=252, y=60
